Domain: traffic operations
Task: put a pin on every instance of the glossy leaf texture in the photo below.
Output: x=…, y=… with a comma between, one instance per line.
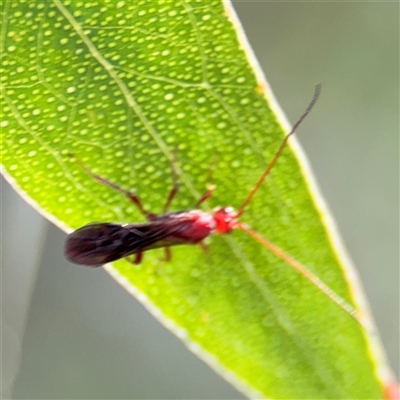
x=121, y=84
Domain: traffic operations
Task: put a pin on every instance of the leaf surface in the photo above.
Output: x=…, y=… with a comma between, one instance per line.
x=121, y=84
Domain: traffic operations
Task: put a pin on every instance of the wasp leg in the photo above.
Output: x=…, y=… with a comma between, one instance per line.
x=206, y=195
x=138, y=258
x=168, y=254
x=131, y=196
x=175, y=183
x=135, y=258
x=210, y=184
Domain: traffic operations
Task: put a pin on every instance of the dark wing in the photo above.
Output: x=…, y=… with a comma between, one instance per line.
x=97, y=244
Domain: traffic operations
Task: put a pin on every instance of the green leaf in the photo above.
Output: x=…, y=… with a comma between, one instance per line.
x=120, y=84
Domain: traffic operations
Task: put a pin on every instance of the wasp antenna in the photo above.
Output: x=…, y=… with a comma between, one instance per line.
x=317, y=92
x=300, y=268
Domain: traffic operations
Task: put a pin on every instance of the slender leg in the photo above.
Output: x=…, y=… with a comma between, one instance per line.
x=211, y=185
x=138, y=258
x=175, y=185
x=135, y=258
x=206, y=195
x=171, y=196
x=168, y=254
x=131, y=196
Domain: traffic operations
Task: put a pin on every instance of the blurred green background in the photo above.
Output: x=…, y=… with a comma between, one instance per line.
x=72, y=332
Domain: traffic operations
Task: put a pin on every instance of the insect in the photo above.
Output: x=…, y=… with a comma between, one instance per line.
x=100, y=243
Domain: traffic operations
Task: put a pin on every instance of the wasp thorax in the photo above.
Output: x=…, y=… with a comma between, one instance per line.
x=225, y=219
